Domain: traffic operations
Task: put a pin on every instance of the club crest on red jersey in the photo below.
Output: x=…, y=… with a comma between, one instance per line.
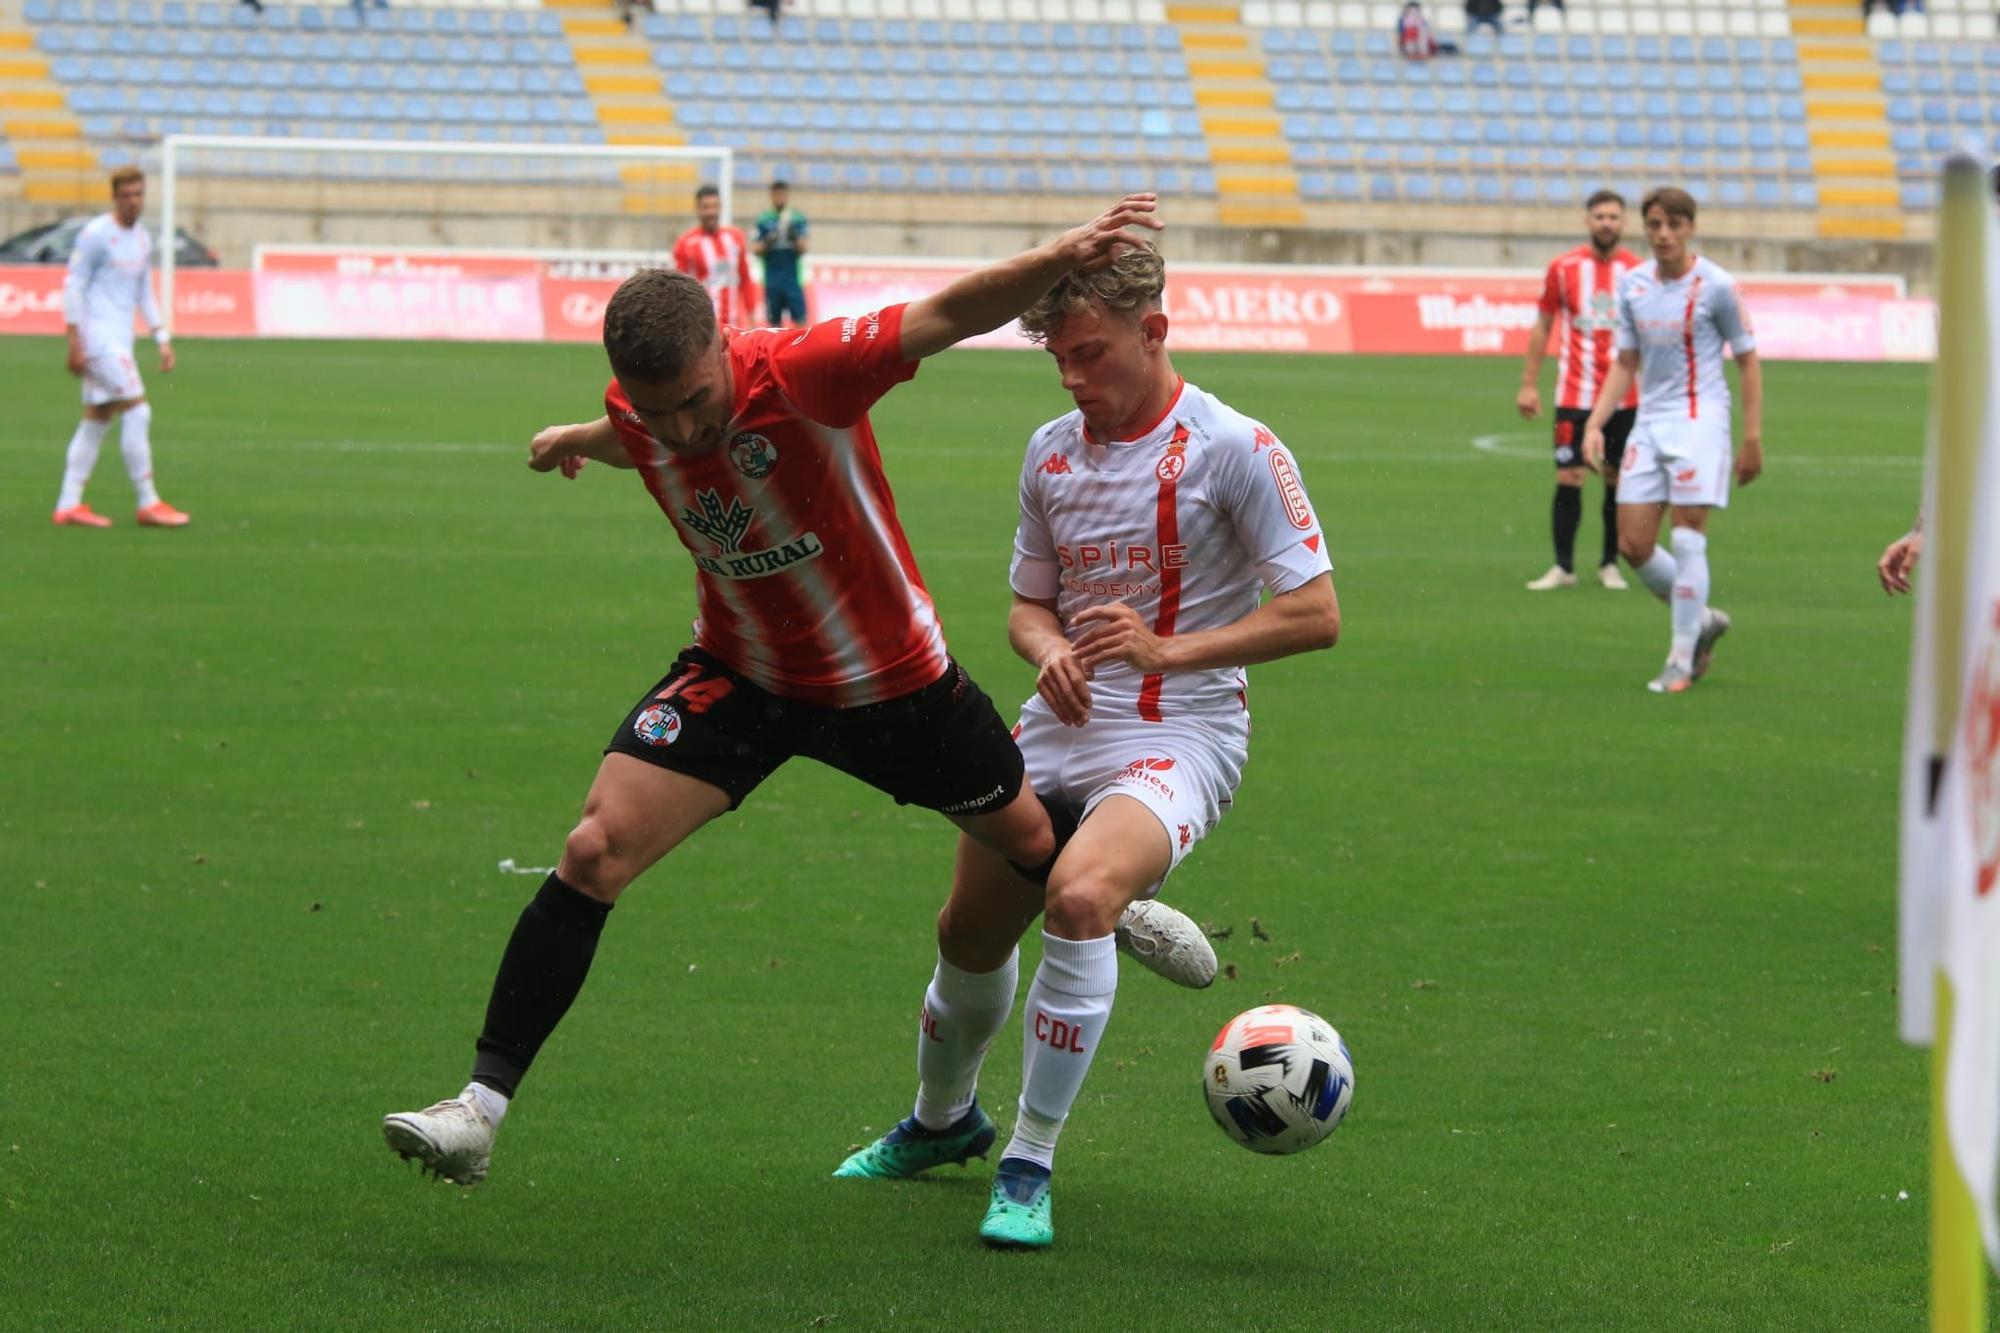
x=753, y=455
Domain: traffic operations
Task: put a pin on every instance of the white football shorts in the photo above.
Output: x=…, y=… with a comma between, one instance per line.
x=1684, y=461
x=111, y=377
x=1184, y=769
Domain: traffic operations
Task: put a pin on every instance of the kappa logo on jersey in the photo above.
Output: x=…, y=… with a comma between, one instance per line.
x=1298, y=510
x=754, y=455
x=1187, y=837
x=1261, y=438
x=724, y=527
x=658, y=725
x=1056, y=465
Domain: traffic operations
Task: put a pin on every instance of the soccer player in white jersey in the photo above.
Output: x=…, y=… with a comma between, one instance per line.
x=110, y=281
x=1152, y=519
x=1676, y=315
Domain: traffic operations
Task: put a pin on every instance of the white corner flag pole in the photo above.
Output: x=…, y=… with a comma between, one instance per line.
x=1958, y=412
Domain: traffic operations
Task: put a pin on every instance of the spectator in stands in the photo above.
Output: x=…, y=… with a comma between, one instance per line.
x=1479, y=12
x=1533, y=5
x=1414, y=37
x=770, y=8
x=626, y=8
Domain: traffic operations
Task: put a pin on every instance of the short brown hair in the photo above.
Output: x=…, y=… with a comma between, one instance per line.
x=1678, y=202
x=1131, y=282
x=1604, y=197
x=125, y=175
x=657, y=322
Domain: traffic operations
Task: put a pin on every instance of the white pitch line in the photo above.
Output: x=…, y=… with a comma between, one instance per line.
x=1499, y=447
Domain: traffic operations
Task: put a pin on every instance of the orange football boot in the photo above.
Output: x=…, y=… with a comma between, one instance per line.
x=79, y=516
x=160, y=514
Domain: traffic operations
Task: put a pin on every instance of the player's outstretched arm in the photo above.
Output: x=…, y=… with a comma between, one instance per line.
x=1899, y=561
x=1750, y=458
x=1617, y=383
x=986, y=298
x=1300, y=621
x=567, y=448
x=1036, y=635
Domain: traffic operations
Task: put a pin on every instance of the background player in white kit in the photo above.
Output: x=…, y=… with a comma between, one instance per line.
x=111, y=280
x=1152, y=518
x=1675, y=315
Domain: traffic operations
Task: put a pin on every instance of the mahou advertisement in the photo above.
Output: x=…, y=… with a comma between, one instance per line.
x=319, y=292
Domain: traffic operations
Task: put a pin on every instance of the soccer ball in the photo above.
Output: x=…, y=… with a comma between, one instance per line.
x=1278, y=1079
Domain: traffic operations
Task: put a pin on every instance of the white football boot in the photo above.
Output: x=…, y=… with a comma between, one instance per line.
x=452, y=1140
x=1165, y=940
x=1557, y=577
x=1609, y=577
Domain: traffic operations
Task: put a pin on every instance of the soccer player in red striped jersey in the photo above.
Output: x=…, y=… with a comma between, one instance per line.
x=815, y=636
x=1165, y=543
x=718, y=257
x=1581, y=288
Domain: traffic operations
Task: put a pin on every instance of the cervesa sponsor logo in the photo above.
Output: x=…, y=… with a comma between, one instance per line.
x=1443, y=311
x=1297, y=510
x=583, y=310
x=18, y=301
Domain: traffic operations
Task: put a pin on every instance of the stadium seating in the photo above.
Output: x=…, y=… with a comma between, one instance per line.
x=136, y=69
x=1027, y=97
x=1939, y=95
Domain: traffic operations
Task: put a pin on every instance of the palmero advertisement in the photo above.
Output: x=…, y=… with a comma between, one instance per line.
x=362, y=292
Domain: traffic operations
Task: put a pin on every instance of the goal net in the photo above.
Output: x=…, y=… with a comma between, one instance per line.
x=488, y=209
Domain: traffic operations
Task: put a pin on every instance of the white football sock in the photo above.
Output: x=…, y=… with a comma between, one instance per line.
x=963, y=1013
x=492, y=1103
x=135, y=440
x=81, y=461
x=1690, y=601
x=1068, y=1009
x=1657, y=574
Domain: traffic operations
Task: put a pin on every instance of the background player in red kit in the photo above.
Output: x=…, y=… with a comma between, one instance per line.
x=718, y=257
x=1581, y=287
x=815, y=635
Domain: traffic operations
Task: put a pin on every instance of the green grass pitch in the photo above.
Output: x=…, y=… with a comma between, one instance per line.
x=1617, y=971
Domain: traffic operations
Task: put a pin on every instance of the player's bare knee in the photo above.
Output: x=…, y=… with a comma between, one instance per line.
x=591, y=864
x=975, y=941
x=1636, y=550
x=1083, y=905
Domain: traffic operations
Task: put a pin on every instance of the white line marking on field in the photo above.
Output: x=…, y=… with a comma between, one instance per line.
x=1500, y=445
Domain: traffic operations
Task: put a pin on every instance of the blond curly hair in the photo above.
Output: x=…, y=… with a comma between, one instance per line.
x=1130, y=283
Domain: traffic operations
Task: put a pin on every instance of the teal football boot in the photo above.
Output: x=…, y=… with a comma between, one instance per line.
x=909, y=1149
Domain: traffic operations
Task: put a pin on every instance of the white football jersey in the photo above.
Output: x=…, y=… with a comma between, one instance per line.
x=1680, y=329
x=1187, y=524
x=110, y=280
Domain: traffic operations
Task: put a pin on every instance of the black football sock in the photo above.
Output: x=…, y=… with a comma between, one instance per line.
x=546, y=961
x=1565, y=519
x=1610, y=523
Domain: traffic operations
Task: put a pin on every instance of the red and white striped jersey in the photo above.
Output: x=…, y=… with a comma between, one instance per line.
x=804, y=579
x=720, y=260
x=1583, y=289
x=1186, y=523
x=1681, y=329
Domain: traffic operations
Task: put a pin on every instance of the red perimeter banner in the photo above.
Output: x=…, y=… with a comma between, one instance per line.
x=374, y=293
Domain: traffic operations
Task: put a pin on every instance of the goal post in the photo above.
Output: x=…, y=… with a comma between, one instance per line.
x=241, y=192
